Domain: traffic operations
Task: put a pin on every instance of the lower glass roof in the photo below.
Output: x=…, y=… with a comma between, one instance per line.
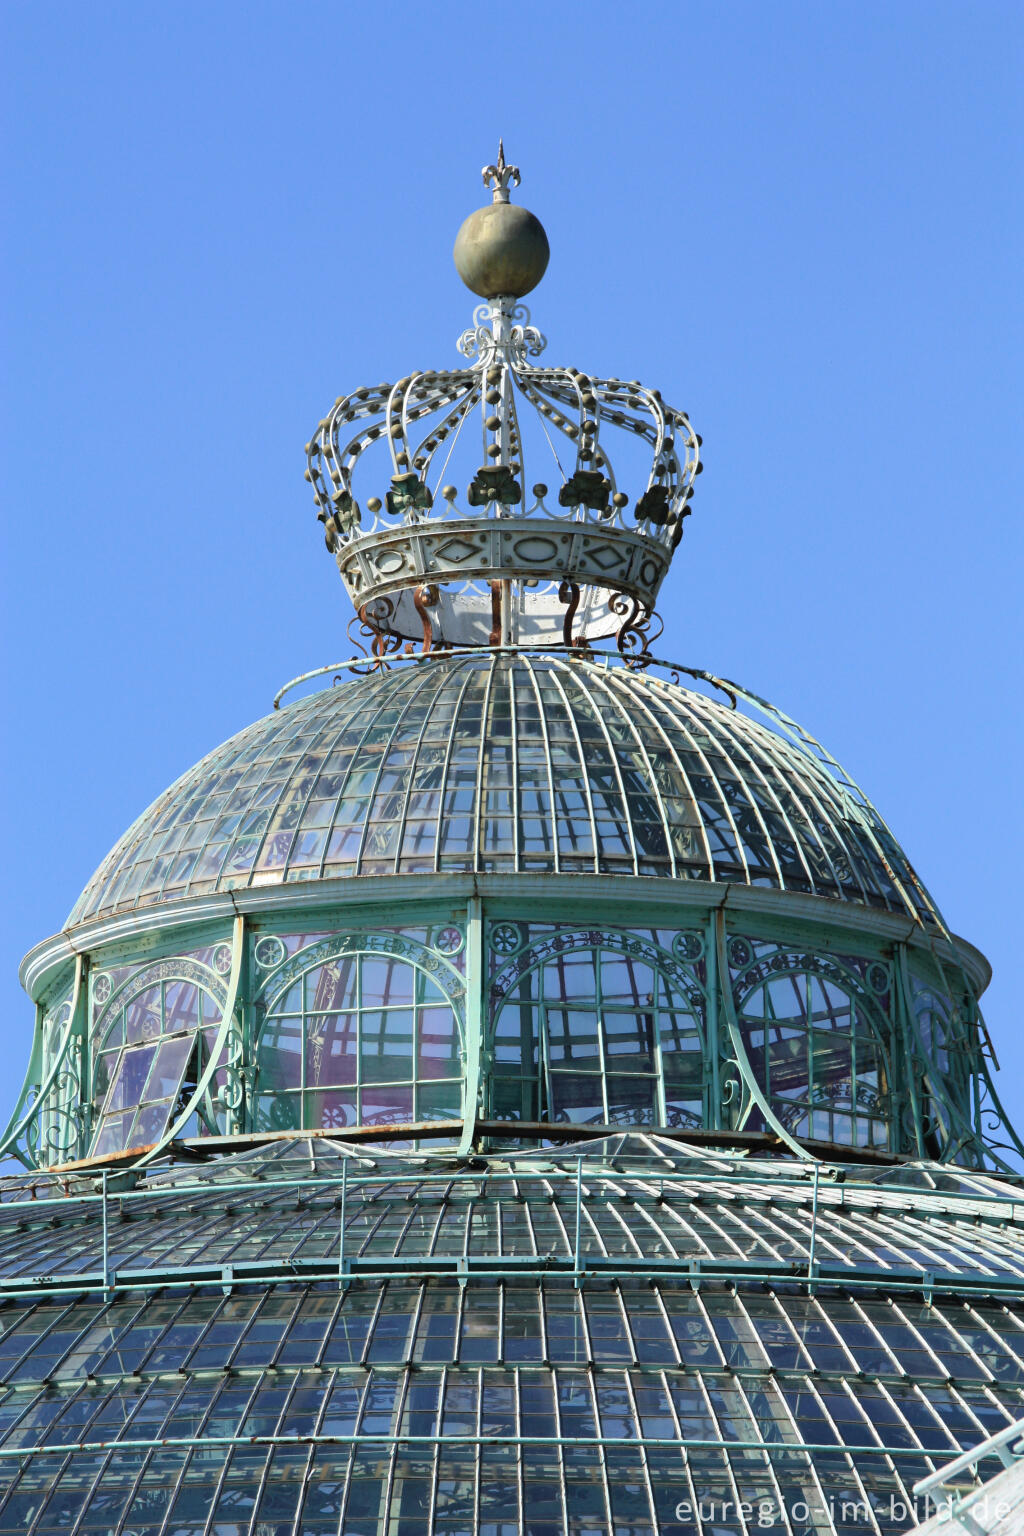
x=499, y=762
x=632, y=1336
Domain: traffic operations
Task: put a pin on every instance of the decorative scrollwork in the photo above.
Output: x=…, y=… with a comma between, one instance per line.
x=683, y=1119
x=231, y=1090
x=634, y=635
x=371, y=624
x=878, y=978
x=476, y=341
x=501, y=332
x=423, y=598
x=688, y=945
x=374, y=942
x=741, y=953
x=506, y=938
x=269, y=951
x=565, y=940
x=568, y=593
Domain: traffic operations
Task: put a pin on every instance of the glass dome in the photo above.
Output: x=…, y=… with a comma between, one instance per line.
x=496, y=762
x=393, y=1170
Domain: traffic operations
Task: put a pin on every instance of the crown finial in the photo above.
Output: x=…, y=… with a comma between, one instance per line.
x=508, y=565
x=499, y=177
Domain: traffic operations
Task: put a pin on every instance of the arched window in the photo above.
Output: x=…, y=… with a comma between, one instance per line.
x=816, y=1048
x=595, y=1035
x=356, y=1036
x=149, y=1034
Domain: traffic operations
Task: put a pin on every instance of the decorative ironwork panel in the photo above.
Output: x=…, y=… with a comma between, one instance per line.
x=817, y=1034
x=596, y=1026
x=151, y=1026
x=360, y=1028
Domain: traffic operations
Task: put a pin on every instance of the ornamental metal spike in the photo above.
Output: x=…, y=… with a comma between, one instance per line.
x=499, y=177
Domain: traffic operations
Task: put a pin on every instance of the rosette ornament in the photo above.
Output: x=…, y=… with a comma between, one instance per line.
x=466, y=546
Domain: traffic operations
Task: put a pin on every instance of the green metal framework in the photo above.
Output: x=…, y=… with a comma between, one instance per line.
x=342, y=1340
x=506, y=1197
x=458, y=1012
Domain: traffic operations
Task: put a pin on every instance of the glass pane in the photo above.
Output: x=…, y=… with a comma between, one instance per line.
x=382, y=1106
x=332, y=1044
x=280, y=1058
x=385, y=981
x=387, y=1045
x=127, y=1087
x=332, y=1110
x=181, y=1006
x=577, y=1097
x=574, y=1037
x=165, y=1078
x=142, y=1016
x=629, y=1041
x=439, y=1101
x=631, y=1100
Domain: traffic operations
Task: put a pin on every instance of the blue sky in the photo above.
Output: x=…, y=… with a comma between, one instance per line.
x=802, y=222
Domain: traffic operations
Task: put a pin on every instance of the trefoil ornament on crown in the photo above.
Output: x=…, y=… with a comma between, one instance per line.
x=494, y=564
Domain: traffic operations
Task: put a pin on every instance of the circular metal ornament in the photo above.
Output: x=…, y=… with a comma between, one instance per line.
x=740, y=953
x=231, y=1091
x=688, y=946
x=506, y=938
x=282, y=1115
x=222, y=959
x=269, y=951
x=448, y=940
x=102, y=986
x=878, y=978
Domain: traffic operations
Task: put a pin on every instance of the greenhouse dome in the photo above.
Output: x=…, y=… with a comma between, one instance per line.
x=507, y=762
x=517, y=1086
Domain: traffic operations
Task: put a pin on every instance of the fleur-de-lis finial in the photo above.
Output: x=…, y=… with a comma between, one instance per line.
x=501, y=176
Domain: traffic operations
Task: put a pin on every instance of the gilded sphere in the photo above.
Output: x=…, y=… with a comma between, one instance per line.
x=501, y=249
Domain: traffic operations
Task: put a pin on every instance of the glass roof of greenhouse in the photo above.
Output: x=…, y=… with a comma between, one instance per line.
x=499, y=762
x=643, y=1201
x=302, y=1331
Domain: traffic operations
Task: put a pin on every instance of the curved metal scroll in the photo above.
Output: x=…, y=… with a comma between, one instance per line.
x=740, y=1057
x=24, y=1110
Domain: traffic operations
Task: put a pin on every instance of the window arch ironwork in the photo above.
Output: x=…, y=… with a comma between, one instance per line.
x=819, y=1044
x=362, y=1029
x=597, y=1027
x=146, y=1041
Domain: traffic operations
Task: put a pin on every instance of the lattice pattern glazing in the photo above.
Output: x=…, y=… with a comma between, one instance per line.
x=501, y=763
x=437, y=1403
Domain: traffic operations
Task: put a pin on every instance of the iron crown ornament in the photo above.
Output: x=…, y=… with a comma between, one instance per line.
x=502, y=558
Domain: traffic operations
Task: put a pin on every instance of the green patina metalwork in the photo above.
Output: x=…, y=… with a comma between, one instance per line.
x=706, y=1191
x=922, y=1105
